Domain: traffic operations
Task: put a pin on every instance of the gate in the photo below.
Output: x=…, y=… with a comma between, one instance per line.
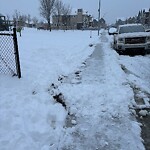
x=9, y=55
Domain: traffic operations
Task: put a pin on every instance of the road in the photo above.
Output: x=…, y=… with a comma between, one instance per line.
x=137, y=69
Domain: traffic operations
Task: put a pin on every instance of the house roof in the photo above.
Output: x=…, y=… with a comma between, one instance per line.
x=146, y=9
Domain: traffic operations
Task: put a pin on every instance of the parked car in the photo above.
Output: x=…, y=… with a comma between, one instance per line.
x=112, y=30
x=132, y=38
x=147, y=30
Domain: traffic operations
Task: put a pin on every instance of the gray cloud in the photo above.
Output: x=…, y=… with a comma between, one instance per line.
x=110, y=9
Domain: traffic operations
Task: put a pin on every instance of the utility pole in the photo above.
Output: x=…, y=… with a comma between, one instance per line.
x=99, y=16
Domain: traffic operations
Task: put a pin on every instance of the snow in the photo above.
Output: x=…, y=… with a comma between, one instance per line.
x=138, y=75
x=137, y=34
x=143, y=113
x=146, y=9
x=95, y=90
x=131, y=24
x=112, y=30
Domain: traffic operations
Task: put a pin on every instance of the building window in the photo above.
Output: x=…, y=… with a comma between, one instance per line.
x=80, y=10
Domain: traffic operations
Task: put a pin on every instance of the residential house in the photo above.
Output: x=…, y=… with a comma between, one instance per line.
x=120, y=21
x=4, y=25
x=146, y=16
x=77, y=20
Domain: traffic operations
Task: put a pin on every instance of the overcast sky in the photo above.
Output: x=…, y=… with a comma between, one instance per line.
x=110, y=9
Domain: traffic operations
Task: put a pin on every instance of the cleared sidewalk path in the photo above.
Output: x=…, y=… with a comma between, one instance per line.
x=100, y=108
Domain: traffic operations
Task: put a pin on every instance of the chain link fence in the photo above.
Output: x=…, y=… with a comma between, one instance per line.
x=9, y=56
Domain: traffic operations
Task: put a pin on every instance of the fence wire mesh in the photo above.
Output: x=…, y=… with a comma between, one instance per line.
x=7, y=54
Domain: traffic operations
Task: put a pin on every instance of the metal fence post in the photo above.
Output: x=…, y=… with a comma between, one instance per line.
x=16, y=53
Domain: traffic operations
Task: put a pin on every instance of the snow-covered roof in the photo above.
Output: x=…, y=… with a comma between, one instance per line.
x=146, y=9
x=129, y=25
x=135, y=34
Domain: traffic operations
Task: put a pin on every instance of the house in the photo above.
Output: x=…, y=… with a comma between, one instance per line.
x=146, y=16
x=78, y=20
x=3, y=23
x=120, y=21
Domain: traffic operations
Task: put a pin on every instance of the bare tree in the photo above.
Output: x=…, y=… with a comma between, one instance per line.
x=24, y=17
x=66, y=15
x=18, y=19
x=7, y=17
x=16, y=16
x=66, y=9
x=35, y=21
x=28, y=18
x=58, y=10
x=46, y=9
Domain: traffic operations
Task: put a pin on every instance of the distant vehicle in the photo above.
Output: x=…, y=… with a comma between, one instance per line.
x=112, y=31
x=41, y=28
x=3, y=24
x=131, y=37
x=147, y=30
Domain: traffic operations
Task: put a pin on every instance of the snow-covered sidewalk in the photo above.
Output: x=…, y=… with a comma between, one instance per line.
x=98, y=103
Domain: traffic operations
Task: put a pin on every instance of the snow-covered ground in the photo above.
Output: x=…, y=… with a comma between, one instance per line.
x=93, y=109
